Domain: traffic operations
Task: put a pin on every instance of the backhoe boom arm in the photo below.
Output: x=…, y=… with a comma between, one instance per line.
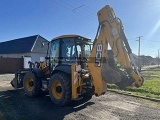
x=111, y=32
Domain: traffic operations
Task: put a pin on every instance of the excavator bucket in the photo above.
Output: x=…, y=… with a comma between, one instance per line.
x=119, y=77
x=113, y=75
x=110, y=75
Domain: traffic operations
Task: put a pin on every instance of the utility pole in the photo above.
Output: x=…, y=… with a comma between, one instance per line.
x=139, y=40
x=158, y=57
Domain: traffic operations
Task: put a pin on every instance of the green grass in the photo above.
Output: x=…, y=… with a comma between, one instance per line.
x=150, y=88
x=151, y=72
x=157, y=68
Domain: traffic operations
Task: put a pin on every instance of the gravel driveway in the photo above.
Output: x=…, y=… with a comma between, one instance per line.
x=15, y=105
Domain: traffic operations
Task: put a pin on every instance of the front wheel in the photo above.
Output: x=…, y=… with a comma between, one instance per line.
x=60, y=89
x=32, y=85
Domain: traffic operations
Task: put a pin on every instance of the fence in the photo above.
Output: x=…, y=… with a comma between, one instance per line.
x=10, y=65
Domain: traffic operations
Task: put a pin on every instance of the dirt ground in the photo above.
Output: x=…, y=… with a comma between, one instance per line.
x=15, y=105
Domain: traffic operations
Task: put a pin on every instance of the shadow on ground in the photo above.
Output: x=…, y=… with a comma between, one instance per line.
x=15, y=105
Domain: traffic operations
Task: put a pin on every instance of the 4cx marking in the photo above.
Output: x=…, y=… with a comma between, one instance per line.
x=98, y=54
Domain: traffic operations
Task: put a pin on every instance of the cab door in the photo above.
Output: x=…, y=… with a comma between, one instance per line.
x=54, y=53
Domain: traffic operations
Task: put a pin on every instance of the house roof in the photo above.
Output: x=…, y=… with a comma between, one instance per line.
x=21, y=45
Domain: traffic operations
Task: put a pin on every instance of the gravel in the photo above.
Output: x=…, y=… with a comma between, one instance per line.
x=15, y=105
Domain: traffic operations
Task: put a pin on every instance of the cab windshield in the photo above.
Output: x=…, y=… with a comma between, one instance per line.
x=68, y=50
x=72, y=49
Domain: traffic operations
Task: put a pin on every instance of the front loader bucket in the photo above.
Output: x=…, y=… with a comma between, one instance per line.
x=17, y=81
x=13, y=82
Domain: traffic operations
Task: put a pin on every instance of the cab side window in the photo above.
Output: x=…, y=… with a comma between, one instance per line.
x=54, y=53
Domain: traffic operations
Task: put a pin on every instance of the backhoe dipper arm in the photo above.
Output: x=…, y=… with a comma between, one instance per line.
x=111, y=32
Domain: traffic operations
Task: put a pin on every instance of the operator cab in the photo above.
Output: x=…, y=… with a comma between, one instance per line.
x=69, y=49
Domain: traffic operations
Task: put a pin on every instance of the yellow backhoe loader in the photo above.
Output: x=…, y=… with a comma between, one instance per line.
x=77, y=68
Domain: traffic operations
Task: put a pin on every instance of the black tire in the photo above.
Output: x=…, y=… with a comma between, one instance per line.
x=32, y=85
x=60, y=89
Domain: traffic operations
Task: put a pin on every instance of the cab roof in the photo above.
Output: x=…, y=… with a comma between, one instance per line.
x=71, y=36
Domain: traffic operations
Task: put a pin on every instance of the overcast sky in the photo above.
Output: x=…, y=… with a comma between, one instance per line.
x=51, y=18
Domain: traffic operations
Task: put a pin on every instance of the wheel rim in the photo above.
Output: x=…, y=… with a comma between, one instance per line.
x=56, y=89
x=29, y=84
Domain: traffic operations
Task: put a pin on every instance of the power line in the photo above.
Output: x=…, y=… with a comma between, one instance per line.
x=80, y=12
x=153, y=41
x=85, y=8
x=77, y=8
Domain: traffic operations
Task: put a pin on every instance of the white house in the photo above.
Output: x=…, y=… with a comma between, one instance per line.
x=34, y=47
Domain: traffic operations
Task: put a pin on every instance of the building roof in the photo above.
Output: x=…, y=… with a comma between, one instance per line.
x=21, y=45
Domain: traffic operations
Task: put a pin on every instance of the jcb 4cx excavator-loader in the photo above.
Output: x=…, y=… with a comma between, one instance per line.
x=77, y=69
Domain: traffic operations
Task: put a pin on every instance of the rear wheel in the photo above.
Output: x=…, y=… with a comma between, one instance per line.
x=60, y=89
x=32, y=85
